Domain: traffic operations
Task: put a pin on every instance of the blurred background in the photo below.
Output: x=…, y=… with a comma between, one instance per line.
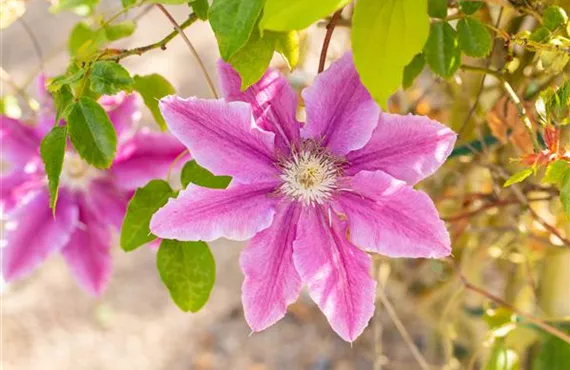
x=49, y=323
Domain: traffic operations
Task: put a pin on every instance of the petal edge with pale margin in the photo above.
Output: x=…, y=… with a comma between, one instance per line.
x=222, y=137
x=273, y=102
x=236, y=213
x=336, y=272
x=387, y=216
x=271, y=281
x=340, y=112
x=409, y=148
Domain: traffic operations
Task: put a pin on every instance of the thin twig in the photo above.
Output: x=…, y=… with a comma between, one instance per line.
x=514, y=98
x=402, y=329
x=120, y=54
x=538, y=322
x=551, y=229
x=330, y=28
x=482, y=84
x=35, y=43
x=191, y=47
x=377, y=324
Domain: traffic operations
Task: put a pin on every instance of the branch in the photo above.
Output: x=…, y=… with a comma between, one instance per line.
x=538, y=322
x=191, y=47
x=514, y=98
x=330, y=28
x=117, y=55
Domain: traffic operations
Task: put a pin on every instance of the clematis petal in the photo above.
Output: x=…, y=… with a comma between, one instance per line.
x=272, y=99
x=271, y=281
x=106, y=202
x=340, y=111
x=31, y=233
x=88, y=252
x=145, y=156
x=19, y=156
x=410, y=148
x=237, y=213
x=389, y=217
x=337, y=273
x=123, y=111
x=222, y=137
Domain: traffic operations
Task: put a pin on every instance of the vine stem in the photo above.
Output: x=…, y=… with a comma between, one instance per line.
x=191, y=47
x=401, y=328
x=118, y=55
x=482, y=83
x=536, y=321
x=330, y=28
x=514, y=98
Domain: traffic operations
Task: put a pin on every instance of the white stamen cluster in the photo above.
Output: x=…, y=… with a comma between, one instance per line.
x=310, y=174
x=76, y=174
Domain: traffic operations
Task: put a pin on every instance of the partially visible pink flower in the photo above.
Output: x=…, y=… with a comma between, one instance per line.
x=313, y=197
x=91, y=202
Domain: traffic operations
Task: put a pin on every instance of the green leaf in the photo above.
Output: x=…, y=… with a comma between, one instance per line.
x=128, y=3
x=413, y=70
x=474, y=38
x=287, y=45
x=554, y=17
x=193, y=173
x=200, y=8
x=153, y=87
x=252, y=60
x=386, y=35
x=84, y=41
x=558, y=106
x=442, y=50
x=555, y=172
x=110, y=78
x=188, y=270
x=119, y=30
x=92, y=133
x=502, y=357
x=62, y=100
x=147, y=200
x=541, y=34
x=52, y=150
x=437, y=8
x=565, y=193
x=554, y=354
x=470, y=7
x=518, y=177
x=233, y=22
x=296, y=14
x=68, y=78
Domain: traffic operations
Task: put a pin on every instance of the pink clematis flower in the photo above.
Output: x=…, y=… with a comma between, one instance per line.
x=91, y=202
x=314, y=197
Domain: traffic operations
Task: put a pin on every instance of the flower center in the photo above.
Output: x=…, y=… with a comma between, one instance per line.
x=310, y=174
x=76, y=174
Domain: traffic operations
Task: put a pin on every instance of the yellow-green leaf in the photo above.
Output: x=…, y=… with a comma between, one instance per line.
x=297, y=14
x=518, y=177
x=287, y=45
x=152, y=88
x=386, y=35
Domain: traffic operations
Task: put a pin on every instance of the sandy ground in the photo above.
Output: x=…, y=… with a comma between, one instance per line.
x=48, y=323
